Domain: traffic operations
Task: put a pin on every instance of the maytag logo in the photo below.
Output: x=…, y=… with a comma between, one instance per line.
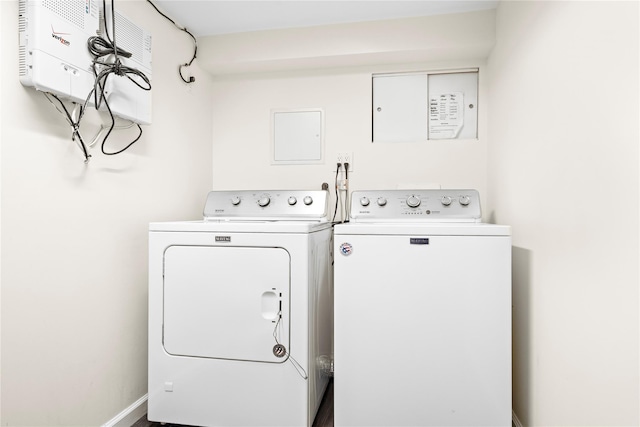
x=223, y=238
x=419, y=240
x=56, y=36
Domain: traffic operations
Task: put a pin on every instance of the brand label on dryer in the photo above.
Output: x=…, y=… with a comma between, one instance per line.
x=419, y=240
x=223, y=238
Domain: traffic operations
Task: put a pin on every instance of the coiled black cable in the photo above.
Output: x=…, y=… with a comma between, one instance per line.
x=195, y=44
x=102, y=49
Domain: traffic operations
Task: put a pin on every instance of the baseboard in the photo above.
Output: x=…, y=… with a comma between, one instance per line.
x=514, y=418
x=129, y=416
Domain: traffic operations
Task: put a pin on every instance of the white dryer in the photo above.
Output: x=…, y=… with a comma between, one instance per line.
x=422, y=312
x=240, y=311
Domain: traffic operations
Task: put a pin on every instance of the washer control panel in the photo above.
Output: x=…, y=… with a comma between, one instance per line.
x=269, y=205
x=417, y=205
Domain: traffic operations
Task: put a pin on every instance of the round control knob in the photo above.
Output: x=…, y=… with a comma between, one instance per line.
x=235, y=200
x=464, y=200
x=264, y=201
x=364, y=201
x=292, y=200
x=307, y=200
x=413, y=201
x=446, y=200
x=382, y=201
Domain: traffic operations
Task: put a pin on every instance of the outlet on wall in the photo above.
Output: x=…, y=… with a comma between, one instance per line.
x=345, y=157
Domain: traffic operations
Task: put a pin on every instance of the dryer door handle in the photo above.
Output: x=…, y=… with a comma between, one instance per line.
x=271, y=305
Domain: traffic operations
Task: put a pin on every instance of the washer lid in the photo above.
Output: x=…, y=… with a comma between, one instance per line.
x=422, y=229
x=240, y=226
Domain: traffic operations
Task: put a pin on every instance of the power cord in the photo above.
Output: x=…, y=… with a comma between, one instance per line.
x=75, y=123
x=346, y=189
x=102, y=66
x=336, y=186
x=195, y=45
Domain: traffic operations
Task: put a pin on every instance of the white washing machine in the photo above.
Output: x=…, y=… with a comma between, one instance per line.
x=422, y=312
x=240, y=311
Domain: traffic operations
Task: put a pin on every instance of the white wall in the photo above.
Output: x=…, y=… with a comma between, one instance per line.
x=241, y=127
x=74, y=237
x=393, y=41
x=1, y=115
x=563, y=171
x=274, y=74
x=559, y=163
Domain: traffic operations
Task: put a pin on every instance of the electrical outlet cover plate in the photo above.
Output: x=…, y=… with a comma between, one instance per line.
x=345, y=157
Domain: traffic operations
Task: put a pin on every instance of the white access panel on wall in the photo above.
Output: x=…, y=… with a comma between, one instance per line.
x=453, y=105
x=399, y=106
x=297, y=136
x=422, y=106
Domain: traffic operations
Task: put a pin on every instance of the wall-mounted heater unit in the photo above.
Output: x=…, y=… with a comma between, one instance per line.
x=53, y=46
x=125, y=98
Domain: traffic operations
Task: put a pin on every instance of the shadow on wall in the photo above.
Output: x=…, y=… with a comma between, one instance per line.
x=521, y=332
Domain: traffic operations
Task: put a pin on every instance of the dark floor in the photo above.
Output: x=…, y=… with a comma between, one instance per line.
x=324, y=418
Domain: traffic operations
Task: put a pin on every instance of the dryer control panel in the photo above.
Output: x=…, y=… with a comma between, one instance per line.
x=267, y=205
x=416, y=205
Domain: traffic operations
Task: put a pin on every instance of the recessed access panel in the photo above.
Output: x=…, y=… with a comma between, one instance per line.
x=425, y=106
x=227, y=302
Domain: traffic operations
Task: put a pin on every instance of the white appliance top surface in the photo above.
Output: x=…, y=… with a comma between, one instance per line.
x=240, y=226
x=425, y=228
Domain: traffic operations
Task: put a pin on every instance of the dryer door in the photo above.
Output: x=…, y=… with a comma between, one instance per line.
x=226, y=302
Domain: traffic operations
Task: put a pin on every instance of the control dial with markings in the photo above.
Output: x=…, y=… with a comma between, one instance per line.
x=413, y=201
x=235, y=200
x=364, y=201
x=264, y=201
x=382, y=201
x=464, y=200
x=446, y=200
x=292, y=200
x=307, y=200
